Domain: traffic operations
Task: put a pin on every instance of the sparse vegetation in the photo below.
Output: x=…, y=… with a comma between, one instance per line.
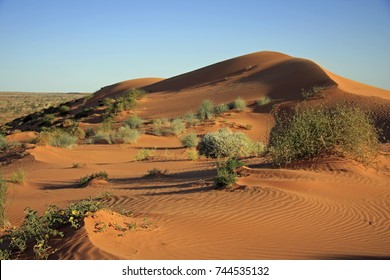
x=124, y=135
x=263, y=101
x=17, y=177
x=239, y=104
x=48, y=119
x=161, y=127
x=125, y=102
x=190, y=140
x=312, y=93
x=78, y=165
x=3, y=142
x=226, y=173
x=312, y=132
x=144, y=154
x=225, y=143
x=101, y=175
x=193, y=154
x=177, y=126
x=134, y=122
x=221, y=108
x=190, y=119
x=3, y=199
x=206, y=110
x=64, y=109
x=157, y=172
x=36, y=232
x=57, y=138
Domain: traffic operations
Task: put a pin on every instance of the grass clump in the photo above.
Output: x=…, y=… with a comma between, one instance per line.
x=226, y=173
x=190, y=119
x=78, y=165
x=190, y=140
x=155, y=172
x=224, y=143
x=64, y=110
x=177, y=126
x=161, y=127
x=134, y=122
x=3, y=142
x=37, y=232
x=206, y=110
x=101, y=175
x=144, y=154
x=263, y=101
x=3, y=199
x=221, y=108
x=239, y=104
x=124, y=135
x=17, y=177
x=57, y=138
x=313, y=132
x=193, y=154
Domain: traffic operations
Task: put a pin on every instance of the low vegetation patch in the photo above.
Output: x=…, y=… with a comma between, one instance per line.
x=263, y=101
x=313, y=132
x=57, y=138
x=3, y=142
x=155, y=172
x=190, y=140
x=134, y=122
x=226, y=172
x=124, y=135
x=221, y=108
x=224, y=143
x=239, y=104
x=101, y=175
x=144, y=154
x=3, y=199
x=206, y=110
x=36, y=232
x=17, y=177
x=312, y=93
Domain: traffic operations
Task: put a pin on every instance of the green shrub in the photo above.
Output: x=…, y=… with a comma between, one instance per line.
x=3, y=199
x=144, y=154
x=36, y=232
x=263, y=101
x=225, y=143
x=48, y=120
x=206, y=110
x=161, y=127
x=190, y=140
x=3, y=142
x=239, y=104
x=177, y=126
x=221, y=108
x=226, y=173
x=64, y=109
x=134, y=122
x=190, y=119
x=312, y=132
x=57, y=138
x=101, y=175
x=124, y=135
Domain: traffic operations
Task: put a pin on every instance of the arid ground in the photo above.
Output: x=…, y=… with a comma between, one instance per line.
x=327, y=208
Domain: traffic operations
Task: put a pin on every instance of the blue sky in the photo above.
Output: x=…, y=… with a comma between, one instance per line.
x=56, y=45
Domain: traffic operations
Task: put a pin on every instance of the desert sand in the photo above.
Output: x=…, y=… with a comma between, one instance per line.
x=330, y=208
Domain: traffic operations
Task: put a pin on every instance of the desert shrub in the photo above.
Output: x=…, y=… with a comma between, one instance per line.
x=64, y=109
x=134, y=122
x=17, y=177
x=144, y=154
x=314, y=92
x=78, y=165
x=124, y=135
x=36, y=232
x=239, y=104
x=161, y=127
x=101, y=175
x=312, y=132
x=89, y=132
x=3, y=142
x=190, y=119
x=57, y=138
x=47, y=120
x=157, y=172
x=136, y=93
x=193, y=154
x=206, y=110
x=225, y=143
x=3, y=199
x=263, y=101
x=221, y=108
x=101, y=138
x=226, y=172
x=177, y=126
x=190, y=140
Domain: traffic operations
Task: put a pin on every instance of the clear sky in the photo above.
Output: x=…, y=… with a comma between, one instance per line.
x=75, y=45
